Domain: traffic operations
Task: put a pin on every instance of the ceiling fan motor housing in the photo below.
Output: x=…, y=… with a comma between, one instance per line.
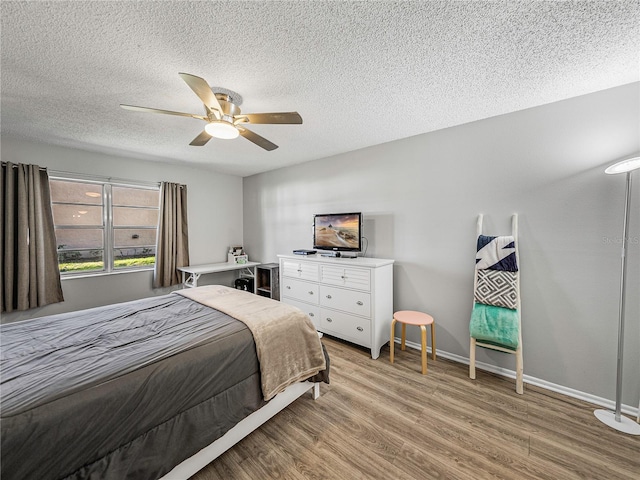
x=228, y=107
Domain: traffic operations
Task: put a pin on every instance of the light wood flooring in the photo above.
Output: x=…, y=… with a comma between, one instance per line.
x=377, y=420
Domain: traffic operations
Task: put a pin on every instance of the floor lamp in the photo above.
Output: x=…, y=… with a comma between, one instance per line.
x=614, y=419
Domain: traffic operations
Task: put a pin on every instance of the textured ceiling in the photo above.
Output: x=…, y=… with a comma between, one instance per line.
x=359, y=73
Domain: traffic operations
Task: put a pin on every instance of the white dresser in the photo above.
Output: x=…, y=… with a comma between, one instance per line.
x=348, y=298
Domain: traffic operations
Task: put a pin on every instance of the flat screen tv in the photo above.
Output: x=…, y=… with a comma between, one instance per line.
x=340, y=232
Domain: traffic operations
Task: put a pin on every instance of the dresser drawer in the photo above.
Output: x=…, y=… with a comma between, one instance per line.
x=351, y=277
x=350, y=301
x=302, y=270
x=348, y=327
x=299, y=290
x=313, y=311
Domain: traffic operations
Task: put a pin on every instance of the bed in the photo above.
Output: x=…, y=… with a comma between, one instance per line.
x=155, y=388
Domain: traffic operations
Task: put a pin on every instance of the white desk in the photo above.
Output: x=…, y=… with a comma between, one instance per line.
x=195, y=271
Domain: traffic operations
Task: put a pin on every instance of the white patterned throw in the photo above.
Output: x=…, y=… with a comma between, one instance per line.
x=496, y=253
x=498, y=288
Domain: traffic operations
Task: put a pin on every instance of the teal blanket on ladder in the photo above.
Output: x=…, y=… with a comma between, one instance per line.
x=495, y=325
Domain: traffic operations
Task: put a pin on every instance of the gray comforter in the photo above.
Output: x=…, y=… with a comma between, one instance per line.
x=108, y=393
x=46, y=359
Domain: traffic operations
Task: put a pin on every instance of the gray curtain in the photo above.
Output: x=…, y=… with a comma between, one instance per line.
x=30, y=274
x=172, y=248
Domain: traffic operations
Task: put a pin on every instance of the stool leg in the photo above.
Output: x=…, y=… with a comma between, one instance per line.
x=393, y=339
x=423, y=330
x=403, y=335
x=433, y=341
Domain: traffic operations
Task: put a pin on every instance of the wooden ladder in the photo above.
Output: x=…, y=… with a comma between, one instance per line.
x=477, y=343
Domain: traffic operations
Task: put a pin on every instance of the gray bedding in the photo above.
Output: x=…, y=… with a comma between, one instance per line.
x=46, y=359
x=84, y=413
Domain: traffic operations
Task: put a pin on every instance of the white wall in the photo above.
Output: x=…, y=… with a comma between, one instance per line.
x=421, y=196
x=214, y=204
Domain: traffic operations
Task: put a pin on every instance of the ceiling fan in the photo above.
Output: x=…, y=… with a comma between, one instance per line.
x=223, y=117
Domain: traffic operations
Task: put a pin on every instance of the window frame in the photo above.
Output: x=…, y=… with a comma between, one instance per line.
x=108, y=247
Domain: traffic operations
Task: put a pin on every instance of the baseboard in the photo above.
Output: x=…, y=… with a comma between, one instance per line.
x=538, y=382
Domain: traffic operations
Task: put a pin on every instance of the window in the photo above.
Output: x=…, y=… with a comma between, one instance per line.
x=104, y=226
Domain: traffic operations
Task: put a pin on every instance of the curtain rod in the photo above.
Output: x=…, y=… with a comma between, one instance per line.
x=15, y=165
x=100, y=178
x=95, y=178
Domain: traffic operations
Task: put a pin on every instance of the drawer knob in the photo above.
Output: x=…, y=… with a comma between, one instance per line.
x=288, y=287
x=311, y=314
x=342, y=277
x=360, y=329
x=329, y=320
x=310, y=292
x=329, y=296
x=359, y=302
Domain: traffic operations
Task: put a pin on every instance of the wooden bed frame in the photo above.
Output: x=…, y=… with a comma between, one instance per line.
x=204, y=457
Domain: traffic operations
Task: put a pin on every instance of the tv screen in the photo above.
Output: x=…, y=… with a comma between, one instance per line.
x=338, y=231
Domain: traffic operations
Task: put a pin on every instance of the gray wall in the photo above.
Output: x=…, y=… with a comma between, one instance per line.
x=215, y=219
x=420, y=198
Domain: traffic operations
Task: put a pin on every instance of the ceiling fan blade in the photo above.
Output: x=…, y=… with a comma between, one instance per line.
x=156, y=110
x=202, y=89
x=257, y=139
x=273, y=118
x=201, y=139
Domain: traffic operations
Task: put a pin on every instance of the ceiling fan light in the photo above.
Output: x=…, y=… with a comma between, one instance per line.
x=219, y=129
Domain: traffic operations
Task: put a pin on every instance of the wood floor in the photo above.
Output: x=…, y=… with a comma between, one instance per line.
x=377, y=420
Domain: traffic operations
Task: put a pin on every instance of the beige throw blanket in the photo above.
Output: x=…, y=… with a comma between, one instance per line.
x=287, y=343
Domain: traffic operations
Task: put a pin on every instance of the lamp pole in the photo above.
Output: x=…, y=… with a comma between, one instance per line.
x=622, y=303
x=615, y=419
